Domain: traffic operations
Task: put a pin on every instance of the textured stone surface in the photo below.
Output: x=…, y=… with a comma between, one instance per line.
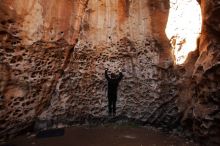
x=53, y=56
x=34, y=20
x=82, y=88
x=199, y=99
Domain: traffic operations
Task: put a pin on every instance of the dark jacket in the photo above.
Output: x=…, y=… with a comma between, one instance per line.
x=113, y=85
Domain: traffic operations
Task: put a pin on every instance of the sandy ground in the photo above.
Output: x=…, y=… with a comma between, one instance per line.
x=105, y=136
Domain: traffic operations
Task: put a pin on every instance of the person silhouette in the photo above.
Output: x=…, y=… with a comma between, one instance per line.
x=113, y=82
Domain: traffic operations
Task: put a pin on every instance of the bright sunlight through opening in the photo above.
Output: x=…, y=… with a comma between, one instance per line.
x=183, y=27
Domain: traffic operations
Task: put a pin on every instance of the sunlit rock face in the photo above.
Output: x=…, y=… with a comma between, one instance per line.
x=50, y=20
x=53, y=55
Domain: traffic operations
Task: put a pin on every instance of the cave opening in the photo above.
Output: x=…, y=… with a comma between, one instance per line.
x=183, y=28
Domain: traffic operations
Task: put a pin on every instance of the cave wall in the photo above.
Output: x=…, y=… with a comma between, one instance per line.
x=199, y=85
x=53, y=56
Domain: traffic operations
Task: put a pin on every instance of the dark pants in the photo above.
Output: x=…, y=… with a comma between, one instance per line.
x=112, y=105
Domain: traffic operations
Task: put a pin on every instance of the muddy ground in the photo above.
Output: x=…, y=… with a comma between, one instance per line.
x=104, y=136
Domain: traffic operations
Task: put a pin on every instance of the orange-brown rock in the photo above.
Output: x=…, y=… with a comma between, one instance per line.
x=56, y=53
x=53, y=55
x=201, y=105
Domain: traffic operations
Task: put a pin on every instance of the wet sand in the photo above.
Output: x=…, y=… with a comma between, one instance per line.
x=105, y=136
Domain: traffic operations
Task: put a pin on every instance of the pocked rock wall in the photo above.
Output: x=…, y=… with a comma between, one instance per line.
x=53, y=56
x=198, y=98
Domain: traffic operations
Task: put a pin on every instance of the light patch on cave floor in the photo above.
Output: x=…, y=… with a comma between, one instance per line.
x=183, y=27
